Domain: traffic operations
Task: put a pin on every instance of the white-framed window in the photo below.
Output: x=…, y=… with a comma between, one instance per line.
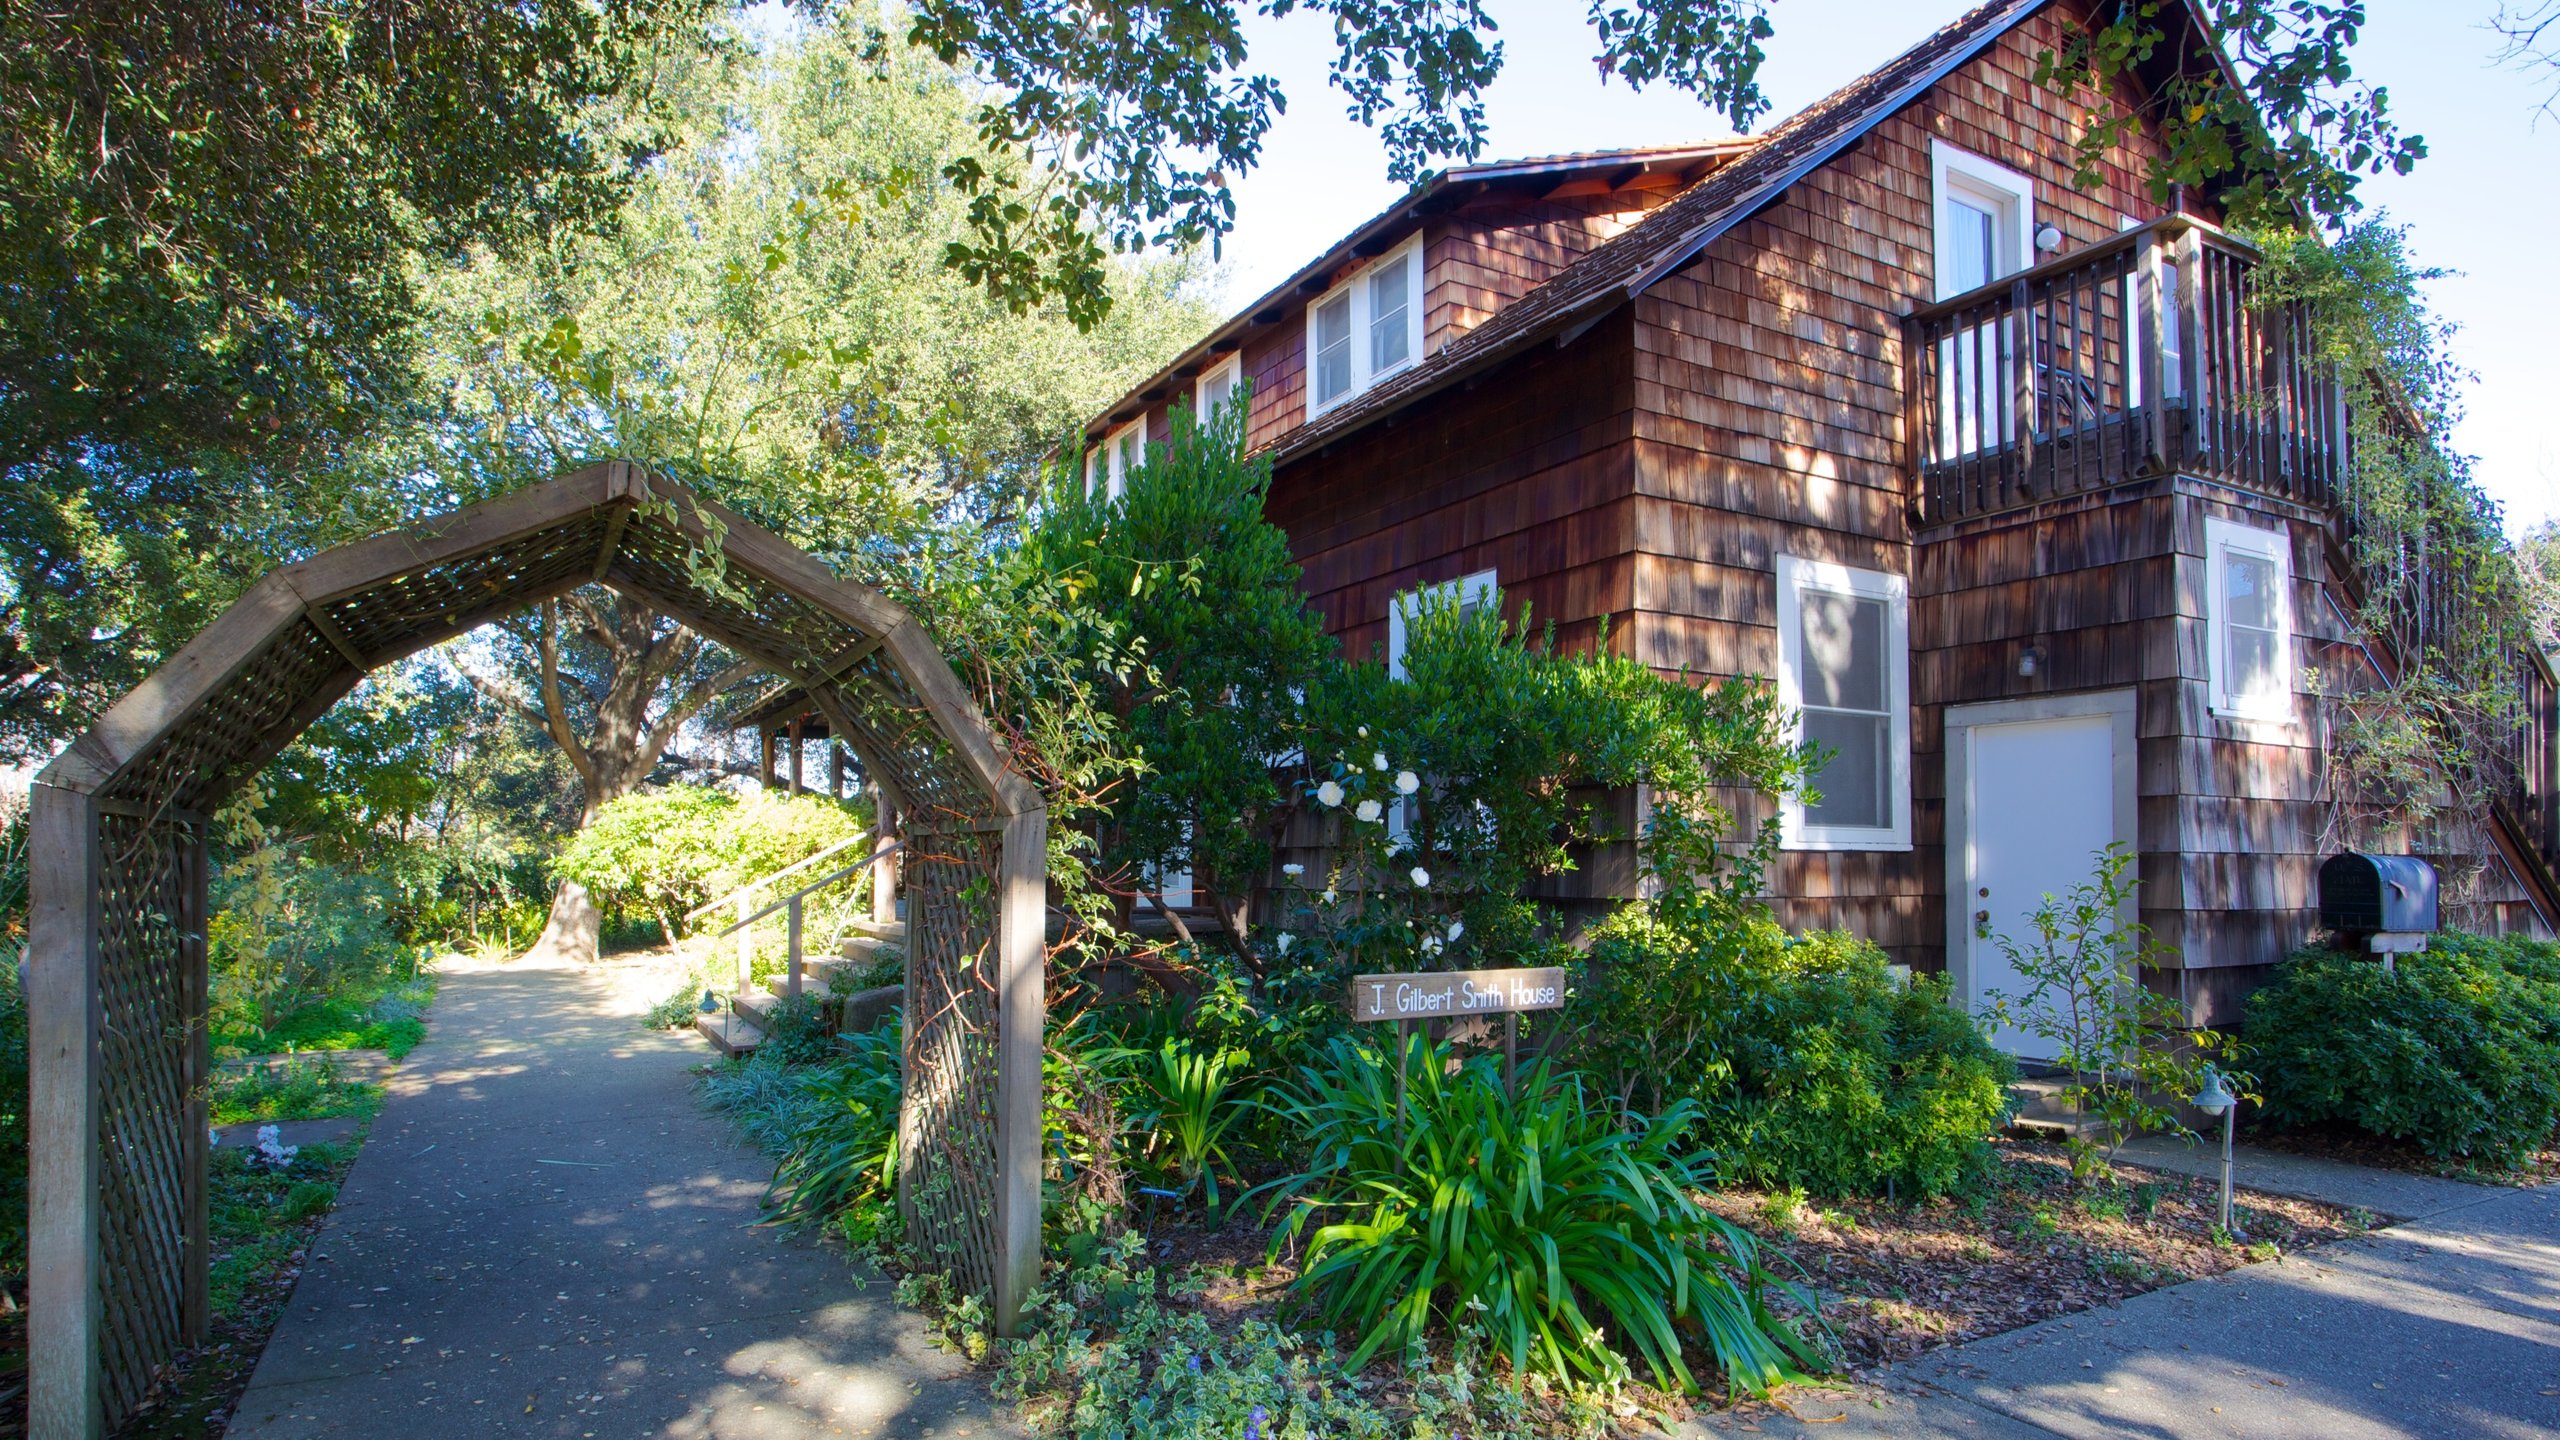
x=1216, y=386
x=1122, y=451
x=1366, y=328
x=1984, y=225
x=1471, y=592
x=1844, y=673
x=2248, y=620
x=1985, y=219
x=1173, y=884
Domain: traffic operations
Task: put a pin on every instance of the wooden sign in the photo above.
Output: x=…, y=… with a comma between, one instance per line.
x=1443, y=994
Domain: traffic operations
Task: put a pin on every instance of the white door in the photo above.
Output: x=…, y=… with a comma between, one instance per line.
x=2040, y=808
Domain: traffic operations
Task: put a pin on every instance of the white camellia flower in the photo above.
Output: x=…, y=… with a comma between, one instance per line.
x=1293, y=870
x=1330, y=896
x=1430, y=944
x=1378, y=761
x=1370, y=810
x=1285, y=940
x=1456, y=929
x=1329, y=794
x=1421, y=878
x=1407, y=782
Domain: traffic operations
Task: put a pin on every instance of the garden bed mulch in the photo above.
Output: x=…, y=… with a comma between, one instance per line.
x=2030, y=1245
x=2362, y=1147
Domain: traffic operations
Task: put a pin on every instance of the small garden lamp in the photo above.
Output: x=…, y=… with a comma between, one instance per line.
x=709, y=1004
x=2216, y=1099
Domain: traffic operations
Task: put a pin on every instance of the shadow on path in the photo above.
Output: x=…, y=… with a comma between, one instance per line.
x=548, y=1235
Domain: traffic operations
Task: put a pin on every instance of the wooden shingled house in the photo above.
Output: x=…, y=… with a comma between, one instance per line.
x=2002, y=479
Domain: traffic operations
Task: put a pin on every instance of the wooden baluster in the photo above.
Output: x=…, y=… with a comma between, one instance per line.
x=2152, y=310
x=2022, y=385
x=791, y=979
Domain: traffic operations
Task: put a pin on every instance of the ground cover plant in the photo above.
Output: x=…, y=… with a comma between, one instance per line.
x=2455, y=1051
x=299, y=1089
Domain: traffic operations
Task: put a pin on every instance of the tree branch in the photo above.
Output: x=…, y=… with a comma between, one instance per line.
x=555, y=713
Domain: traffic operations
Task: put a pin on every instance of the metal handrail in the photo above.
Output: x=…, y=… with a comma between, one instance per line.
x=752, y=886
x=796, y=896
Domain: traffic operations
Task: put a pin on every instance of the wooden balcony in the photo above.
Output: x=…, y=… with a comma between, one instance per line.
x=2148, y=353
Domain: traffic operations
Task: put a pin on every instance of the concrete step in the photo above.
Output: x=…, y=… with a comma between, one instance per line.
x=727, y=1033
x=817, y=973
x=893, y=931
x=863, y=949
x=755, y=1006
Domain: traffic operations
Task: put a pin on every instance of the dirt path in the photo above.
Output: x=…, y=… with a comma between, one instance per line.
x=547, y=1235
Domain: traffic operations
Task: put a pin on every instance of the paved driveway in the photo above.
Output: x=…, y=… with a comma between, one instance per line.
x=547, y=1235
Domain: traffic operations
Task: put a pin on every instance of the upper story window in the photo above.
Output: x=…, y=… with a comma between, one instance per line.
x=1985, y=219
x=1217, y=385
x=2248, y=620
x=1470, y=593
x=1844, y=667
x=1366, y=328
x=1107, y=469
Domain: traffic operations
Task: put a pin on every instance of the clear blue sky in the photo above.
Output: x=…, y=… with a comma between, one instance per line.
x=2485, y=203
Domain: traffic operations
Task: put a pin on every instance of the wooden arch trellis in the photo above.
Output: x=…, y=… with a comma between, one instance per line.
x=117, y=985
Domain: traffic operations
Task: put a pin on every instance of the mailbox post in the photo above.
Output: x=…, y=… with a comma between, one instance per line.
x=2382, y=904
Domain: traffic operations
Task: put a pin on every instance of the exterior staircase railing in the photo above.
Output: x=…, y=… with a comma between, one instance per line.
x=795, y=926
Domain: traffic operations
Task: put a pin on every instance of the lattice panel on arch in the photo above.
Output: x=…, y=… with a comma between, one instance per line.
x=148, y=1007
x=400, y=614
x=196, y=763
x=947, y=1152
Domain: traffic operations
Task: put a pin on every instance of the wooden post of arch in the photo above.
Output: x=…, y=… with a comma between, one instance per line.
x=116, y=962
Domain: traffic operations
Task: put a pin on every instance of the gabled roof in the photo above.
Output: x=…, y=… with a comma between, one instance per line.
x=1438, y=193
x=1672, y=235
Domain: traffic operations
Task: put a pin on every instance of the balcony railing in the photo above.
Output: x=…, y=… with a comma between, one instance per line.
x=2144, y=354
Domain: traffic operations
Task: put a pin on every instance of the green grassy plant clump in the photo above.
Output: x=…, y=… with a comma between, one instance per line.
x=390, y=1017
x=298, y=1090
x=1814, y=1064
x=2456, y=1051
x=1538, y=1220
x=832, y=1127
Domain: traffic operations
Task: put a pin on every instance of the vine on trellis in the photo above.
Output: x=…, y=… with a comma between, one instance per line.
x=2419, y=728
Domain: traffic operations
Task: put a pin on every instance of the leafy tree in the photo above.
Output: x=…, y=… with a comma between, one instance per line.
x=1186, y=611
x=769, y=321
x=1125, y=124
x=211, y=220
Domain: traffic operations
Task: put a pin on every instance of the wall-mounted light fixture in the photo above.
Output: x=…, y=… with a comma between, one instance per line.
x=2048, y=239
x=2030, y=661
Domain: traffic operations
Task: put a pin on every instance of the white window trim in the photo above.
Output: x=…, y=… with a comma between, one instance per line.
x=1410, y=252
x=1465, y=590
x=1795, y=575
x=1231, y=369
x=1480, y=587
x=1114, y=470
x=2222, y=539
x=1954, y=172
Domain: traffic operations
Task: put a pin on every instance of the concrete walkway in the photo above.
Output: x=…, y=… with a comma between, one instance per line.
x=2443, y=1327
x=2392, y=1194
x=547, y=1235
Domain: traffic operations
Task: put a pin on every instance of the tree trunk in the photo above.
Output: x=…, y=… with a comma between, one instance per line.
x=574, y=930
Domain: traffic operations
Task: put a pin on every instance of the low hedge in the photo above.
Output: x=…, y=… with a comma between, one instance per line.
x=2457, y=1051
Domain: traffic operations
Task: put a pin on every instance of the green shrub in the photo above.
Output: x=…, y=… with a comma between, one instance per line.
x=2457, y=1051
x=1814, y=1064
x=1532, y=1220
x=296, y=1090
x=648, y=858
x=288, y=936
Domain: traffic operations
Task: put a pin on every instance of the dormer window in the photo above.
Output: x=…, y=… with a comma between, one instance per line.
x=1217, y=386
x=1366, y=328
x=1106, y=470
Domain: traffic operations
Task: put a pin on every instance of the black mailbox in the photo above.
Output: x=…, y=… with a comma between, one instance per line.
x=2377, y=894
